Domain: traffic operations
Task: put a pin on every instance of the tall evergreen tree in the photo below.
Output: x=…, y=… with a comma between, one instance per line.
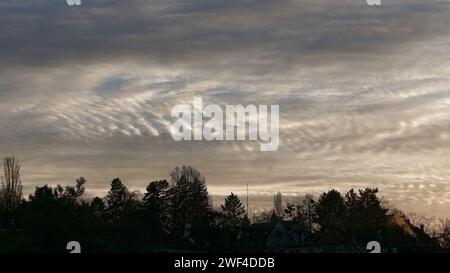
x=156, y=204
x=233, y=211
x=119, y=200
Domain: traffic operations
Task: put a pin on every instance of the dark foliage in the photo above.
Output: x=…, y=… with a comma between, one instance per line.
x=176, y=215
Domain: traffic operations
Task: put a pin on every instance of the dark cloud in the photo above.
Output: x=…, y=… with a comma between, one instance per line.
x=49, y=32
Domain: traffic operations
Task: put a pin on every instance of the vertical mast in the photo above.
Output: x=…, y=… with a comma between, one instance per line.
x=247, y=202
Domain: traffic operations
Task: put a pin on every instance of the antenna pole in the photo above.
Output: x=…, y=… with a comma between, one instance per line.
x=247, y=201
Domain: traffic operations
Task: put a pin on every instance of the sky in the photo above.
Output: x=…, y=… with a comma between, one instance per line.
x=363, y=91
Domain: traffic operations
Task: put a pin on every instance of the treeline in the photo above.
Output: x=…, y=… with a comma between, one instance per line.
x=172, y=215
x=177, y=215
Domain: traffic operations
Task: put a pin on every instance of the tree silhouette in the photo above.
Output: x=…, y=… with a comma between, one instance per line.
x=177, y=216
x=156, y=195
x=119, y=200
x=304, y=215
x=156, y=204
x=278, y=204
x=11, y=185
x=123, y=214
x=234, y=223
x=73, y=193
x=372, y=216
x=189, y=196
x=233, y=211
x=53, y=216
x=98, y=206
x=444, y=233
x=330, y=211
x=353, y=214
x=308, y=213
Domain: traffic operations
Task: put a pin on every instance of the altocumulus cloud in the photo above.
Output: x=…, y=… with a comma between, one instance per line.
x=363, y=92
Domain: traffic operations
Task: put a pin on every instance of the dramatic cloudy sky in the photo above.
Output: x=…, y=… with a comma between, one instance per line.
x=364, y=93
